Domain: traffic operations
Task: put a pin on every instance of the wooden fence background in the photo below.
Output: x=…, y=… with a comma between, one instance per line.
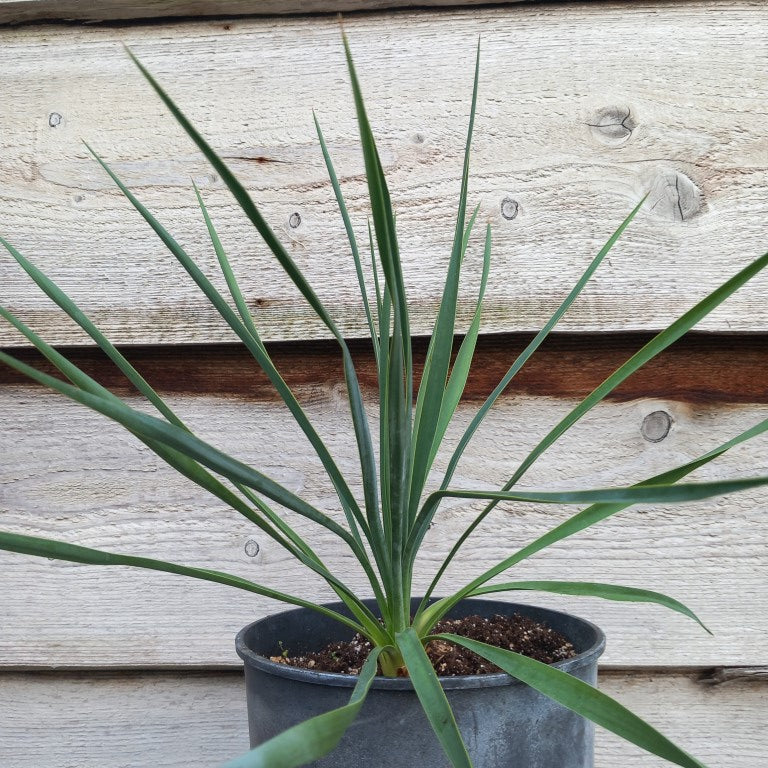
x=584, y=107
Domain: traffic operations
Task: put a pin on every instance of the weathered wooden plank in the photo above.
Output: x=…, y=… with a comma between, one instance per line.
x=68, y=474
x=21, y=11
x=698, y=368
x=129, y=721
x=563, y=152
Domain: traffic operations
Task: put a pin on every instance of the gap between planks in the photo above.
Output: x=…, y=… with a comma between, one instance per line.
x=709, y=676
x=698, y=368
x=26, y=11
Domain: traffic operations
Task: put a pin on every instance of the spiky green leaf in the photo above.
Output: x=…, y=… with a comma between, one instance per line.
x=313, y=738
x=582, y=698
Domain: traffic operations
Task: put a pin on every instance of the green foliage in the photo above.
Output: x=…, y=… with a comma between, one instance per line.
x=385, y=529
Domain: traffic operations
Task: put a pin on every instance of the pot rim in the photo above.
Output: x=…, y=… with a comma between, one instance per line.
x=336, y=679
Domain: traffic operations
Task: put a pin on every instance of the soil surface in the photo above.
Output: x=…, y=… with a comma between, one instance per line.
x=517, y=633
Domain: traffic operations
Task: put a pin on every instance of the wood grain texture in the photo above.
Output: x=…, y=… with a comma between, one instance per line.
x=21, y=11
x=198, y=720
x=68, y=474
x=579, y=115
x=698, y=368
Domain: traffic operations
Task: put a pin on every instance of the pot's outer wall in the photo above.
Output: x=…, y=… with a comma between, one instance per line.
x=505, y=724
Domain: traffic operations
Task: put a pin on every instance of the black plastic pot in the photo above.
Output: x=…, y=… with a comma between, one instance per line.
x=505, y=724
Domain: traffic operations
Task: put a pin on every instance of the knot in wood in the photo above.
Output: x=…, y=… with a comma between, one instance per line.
x=294, y=220
x=613, y=125
x=674, y=197
x=252, y=548
x=54, y=119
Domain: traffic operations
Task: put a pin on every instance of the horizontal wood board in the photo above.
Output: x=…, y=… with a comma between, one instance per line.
x=578, y=117
x=196, y=721
x=21, y=11
x=66, y=473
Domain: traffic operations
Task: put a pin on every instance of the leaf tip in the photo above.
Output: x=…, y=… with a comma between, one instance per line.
x=131, y=54
x=89, y=147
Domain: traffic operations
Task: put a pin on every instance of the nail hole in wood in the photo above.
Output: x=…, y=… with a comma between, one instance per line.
x=656, y=426
x=509, y=208
x=252, y=548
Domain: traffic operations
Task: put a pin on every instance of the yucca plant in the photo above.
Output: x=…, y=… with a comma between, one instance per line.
x=384, y=529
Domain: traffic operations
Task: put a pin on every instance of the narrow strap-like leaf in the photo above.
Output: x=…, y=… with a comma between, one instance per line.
x=460, y=369
x=654, y=347
x=384, y=229
x=64, y=302
x=468, y=231
x=190, y=469
x=581, y=521
x=234, y=288
x=350, y=235
x=252, y=343
x=156, y=429
x=226, y=270
x=369, y=485
x=60, y=550
x=432, y=698
x=592, y=589
x=243, y=198
x=397, y=427
x=535, y=343
x=429, y=403
x=178, y=461
x=581, y=698
x=312, y=739
x=634, y=494
x=384, y=403
x=375, y=273
x=381, y=205
x=359, y=417
x=396, y=363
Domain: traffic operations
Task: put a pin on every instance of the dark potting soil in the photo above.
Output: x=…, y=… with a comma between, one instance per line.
x=516, y=633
